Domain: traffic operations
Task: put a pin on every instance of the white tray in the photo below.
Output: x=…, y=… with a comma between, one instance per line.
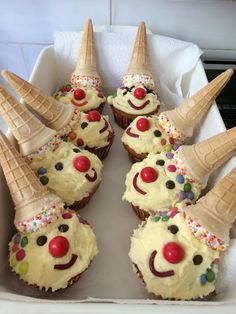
x=110, y=277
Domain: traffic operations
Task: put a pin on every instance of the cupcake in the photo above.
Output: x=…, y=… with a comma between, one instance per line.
x=166, y=179
x=136, y=97
x=71, y=173
x=91, y=131
x=177, y=253
x=84, y=88
x=171, y=128
x=52, y=247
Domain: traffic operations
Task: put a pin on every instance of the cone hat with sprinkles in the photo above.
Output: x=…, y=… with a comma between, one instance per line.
x=216, y=211
x=55, y=114
x=34, y=204
x=200, y=159
x=86, y=66
x=189, y=113
x=30, y=133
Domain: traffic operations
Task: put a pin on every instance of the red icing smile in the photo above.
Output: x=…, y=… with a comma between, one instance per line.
x=93, y=178
x=153, y=270
x=138, y=107
x=78, y=104
x=128, y=131
x=105, y=127
x=135, y=184
x=67, y=265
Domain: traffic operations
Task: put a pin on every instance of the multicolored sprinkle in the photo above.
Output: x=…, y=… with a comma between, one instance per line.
x=144, y=79
x=84, y=80
x=47, y=216
x=169, y=128
x=51, y=145
x=204, y=235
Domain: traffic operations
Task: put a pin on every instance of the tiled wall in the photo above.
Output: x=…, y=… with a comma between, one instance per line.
x=26, y=26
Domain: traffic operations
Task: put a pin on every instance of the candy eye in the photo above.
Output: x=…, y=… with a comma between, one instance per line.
x=160, y=162
x=79, y=94
x=157, y=133
x=140, y=93
x=84, y=125
x=149, y=174
x=173, y=229
x=82, y=163
x=143, y=124
x=41, y=240
x=76, y=150
x=63, y=228
x=170, y=184
x=59, y=166
x=197, y=259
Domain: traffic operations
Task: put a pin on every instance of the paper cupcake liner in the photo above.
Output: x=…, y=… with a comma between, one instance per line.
x=133, y=156
x=208, y=297
x=102, y=152
x=80, y=204
x=124, y=119
x=142, y=214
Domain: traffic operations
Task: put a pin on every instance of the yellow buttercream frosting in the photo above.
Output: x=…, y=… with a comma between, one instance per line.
x=148, y=141
x=191, y=279
x=92, y=100
x=68, y=183
x=91, y=133
x=124, y=97
x=31, y=258
x=157, y=195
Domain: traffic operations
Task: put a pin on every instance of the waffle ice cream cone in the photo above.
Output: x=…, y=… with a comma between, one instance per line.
x=216, y=211
x=188, y=114
x=87, y=60
x=29, y=195
x=55, y=114
x=139, y=59
x=27, y=129
x=202, y=158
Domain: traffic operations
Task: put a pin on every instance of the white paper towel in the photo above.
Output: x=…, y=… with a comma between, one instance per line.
x=170, y=60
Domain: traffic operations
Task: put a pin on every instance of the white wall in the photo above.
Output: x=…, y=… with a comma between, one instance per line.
x=28, y=25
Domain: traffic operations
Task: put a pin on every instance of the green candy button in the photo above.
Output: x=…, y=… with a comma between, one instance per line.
x=44, y=180
x=210, y=276
x=168, y=147
x=156, y=218
x=187, y=187
x=24, y=241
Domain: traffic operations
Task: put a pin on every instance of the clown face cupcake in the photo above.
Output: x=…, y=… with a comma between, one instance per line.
x=172, y=263
x=53, y=246
x=84, y=88
x=136, y=96
x=177, y=253
x=165, y=133
x=54, y=257
x=91, y=131
x=166, y=179
x=71, y=173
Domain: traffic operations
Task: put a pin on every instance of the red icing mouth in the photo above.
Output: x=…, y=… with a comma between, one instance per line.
x=78, y=104
x=153, y=270
x=93, y=178
x=105, y=127
x=138, y=107
x=128, y=131
x=135, y=184
x=67, y=265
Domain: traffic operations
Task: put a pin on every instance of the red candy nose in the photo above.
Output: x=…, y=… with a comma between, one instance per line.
x=58, y=246
x=139, y=93
x=173, y=252
x=79, y=94
x=82, y=163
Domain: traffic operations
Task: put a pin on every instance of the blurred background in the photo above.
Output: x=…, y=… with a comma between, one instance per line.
x=27, y=26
